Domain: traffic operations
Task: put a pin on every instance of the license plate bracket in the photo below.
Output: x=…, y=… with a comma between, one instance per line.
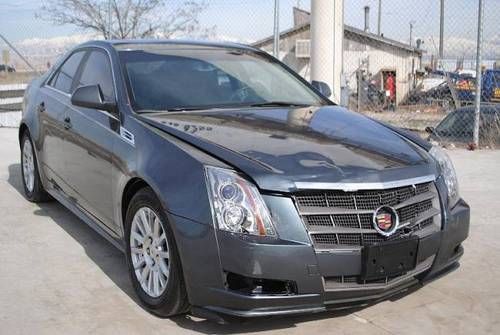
x=389, y=259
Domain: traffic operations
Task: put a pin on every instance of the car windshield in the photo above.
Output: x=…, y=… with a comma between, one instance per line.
x=174, y=78
x=459, y=124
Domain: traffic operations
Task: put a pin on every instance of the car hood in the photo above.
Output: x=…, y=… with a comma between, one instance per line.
x=285, y=149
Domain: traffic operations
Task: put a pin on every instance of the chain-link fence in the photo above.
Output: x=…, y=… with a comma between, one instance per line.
x=408, y=63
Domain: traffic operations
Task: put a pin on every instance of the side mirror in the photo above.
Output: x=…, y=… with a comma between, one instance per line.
x=322, y=87
x=91, y=97
x=429, y=130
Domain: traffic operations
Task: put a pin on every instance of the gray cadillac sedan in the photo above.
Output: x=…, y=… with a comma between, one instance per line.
x=232, y=185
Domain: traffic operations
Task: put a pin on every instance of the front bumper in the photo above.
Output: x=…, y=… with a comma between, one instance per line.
x=438, y=253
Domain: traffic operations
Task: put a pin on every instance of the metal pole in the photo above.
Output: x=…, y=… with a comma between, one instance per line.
x=441, y=31
x=477, y=110
x=109, y=20
x=379, y=16
x=411, y=34
x=19, y=54
x=276, y=46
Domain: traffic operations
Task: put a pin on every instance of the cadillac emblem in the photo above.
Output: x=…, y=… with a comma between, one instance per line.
x=385, y=220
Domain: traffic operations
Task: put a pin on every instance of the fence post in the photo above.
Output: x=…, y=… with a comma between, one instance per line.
x=276, y=45
x=477, y=111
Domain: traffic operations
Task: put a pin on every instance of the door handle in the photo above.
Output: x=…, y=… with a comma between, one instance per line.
x=41, y=107
x=67, y=123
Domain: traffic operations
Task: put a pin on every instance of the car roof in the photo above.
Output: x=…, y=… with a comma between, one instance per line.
x=485, y=108
x=174, y=43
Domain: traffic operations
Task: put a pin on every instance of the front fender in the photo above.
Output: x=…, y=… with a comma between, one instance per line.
x=175, y=171
x=172, y=168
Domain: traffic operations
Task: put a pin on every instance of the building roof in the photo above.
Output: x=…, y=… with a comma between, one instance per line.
x=347, y=29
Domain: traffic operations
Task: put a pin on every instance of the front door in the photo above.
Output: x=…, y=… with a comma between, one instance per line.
x=89, y=150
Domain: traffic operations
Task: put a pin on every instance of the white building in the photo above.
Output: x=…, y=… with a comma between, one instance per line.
x=375, y=55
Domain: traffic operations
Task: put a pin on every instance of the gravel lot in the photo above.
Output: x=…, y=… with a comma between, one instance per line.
x=58, y=276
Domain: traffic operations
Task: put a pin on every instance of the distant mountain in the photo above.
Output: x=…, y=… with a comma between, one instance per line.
x=43, y=51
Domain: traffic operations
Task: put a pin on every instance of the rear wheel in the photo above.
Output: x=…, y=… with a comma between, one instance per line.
x=33, y=188
x=152, y=257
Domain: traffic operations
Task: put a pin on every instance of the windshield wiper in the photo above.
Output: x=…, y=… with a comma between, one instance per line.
x=226, y=106
x=174, y=109
x=278, y=103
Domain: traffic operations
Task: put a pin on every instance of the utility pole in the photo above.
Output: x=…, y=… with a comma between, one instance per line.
x=441, y=31
x=109, y=19
x=379, y=17
x=276, y=46
x=479, y=75
x=411, y=32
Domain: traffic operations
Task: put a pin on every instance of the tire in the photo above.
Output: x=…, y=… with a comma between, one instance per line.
x=33, y=188
x=171, y=298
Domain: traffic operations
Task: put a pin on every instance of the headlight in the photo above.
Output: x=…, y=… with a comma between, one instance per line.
x=448, y=173
x=237, y=204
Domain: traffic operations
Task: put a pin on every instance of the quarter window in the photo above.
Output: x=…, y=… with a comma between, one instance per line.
x=97, y=70
x=63, y=79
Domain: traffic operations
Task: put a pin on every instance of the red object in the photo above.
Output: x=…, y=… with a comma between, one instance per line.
x=390, y=85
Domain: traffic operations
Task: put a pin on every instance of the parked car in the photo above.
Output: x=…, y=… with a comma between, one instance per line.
x=463, y=86
x=6, y=68
x=430, y=82
x=458, y=126
x=439, y=93
x=232, y=185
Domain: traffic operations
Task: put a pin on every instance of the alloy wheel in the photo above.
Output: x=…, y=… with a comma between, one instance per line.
x=149, y=251
x=28, y=165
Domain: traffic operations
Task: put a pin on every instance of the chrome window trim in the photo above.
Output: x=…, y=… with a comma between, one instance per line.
x=56, y=90
x=352, y=187
x=70, y=105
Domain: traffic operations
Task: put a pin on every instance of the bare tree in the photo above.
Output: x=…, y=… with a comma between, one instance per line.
x=119, y=19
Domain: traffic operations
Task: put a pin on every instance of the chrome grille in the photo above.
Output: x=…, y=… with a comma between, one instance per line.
x=336, y=219
x=362, y=199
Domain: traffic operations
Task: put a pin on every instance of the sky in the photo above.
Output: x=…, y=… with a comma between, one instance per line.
x=250, y=20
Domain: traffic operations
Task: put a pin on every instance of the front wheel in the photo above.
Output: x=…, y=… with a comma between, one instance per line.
x=33, y=188
x=152, y=257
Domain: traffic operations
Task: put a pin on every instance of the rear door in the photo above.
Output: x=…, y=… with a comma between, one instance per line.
x=52, y=101
x=89, y=151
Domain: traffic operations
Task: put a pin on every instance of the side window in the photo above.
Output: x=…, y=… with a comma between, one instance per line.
x=63, y=78
x=97, y=70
